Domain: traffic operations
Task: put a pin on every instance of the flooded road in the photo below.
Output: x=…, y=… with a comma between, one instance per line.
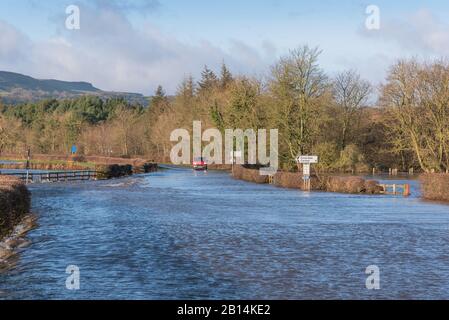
x=180, y=235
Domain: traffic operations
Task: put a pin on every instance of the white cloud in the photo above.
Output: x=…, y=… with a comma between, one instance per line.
x=113, y=54
x=418, y=33
x=372, y=68
x=13, y=45
x=141, y=6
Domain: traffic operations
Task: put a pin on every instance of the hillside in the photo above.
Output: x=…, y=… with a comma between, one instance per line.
x=17, y=88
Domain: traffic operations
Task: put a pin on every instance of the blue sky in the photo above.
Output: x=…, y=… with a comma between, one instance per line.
x=135, y=45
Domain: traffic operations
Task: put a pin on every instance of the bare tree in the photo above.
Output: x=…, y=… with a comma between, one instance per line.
x=351, y=94
x=10, y=130
x=417, y=95
x=298, y=84
x=125, y=119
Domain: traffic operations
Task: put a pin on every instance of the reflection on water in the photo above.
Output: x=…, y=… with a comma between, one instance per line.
x=180, y=235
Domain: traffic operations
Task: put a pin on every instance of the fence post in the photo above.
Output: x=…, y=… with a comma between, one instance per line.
x=406, y=190
x=28, y=164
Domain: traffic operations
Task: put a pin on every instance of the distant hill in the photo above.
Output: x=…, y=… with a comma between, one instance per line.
x=17, y=88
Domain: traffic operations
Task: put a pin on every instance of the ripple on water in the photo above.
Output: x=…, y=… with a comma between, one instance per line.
x=177, y=235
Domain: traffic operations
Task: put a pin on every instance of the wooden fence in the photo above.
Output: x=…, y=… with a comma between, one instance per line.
x=48, y=177
x=396, y=189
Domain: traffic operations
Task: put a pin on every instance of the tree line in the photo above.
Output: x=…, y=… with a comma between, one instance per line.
x=336, y=117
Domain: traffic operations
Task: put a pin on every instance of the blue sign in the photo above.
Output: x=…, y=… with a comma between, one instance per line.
x=74, y=149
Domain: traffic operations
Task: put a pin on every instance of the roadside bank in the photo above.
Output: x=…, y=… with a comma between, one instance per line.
x=15, y=217
x=435, y=186
x=106, y=167
x=327, y=183
x=15, y=203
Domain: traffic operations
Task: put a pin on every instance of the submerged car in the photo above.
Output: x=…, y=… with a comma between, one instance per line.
x=199, y=164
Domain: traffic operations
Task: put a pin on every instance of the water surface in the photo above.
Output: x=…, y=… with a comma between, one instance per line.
x=183, y=235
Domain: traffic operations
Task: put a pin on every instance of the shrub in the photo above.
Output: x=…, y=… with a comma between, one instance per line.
x=328, y=153
x=113, y=171
x=352, y=185
x=289, y=180
x=351, y=158
x=293, y=180
x=372, y=187
x=15, y=202
x=250, y=175
x=435, y=186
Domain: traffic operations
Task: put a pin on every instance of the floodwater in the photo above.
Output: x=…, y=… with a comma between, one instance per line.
x=177, y=234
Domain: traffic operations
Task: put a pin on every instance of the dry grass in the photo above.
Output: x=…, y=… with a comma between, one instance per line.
x=435, y=186
x=109, y=166
x=352, y=185
x=250, y=175
x=120, y=161
x=289, y=180
x=221, y=167
x=53, y=165
x=6, y=181
x=293, y=180
x=15, y=202
x=76, y=158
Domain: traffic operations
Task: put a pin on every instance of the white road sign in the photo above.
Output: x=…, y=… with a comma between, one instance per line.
x=306, y=169
x=307, y=159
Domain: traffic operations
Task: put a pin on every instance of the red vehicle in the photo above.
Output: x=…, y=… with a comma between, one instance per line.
x=199, y=164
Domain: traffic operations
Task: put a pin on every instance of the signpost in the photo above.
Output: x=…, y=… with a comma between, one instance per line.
x=28, y=164
x=307, y=159
x=234, y=155
x=306, y=162
x=306, y=169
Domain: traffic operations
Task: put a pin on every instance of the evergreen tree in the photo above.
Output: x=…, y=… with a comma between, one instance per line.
x=217, y=117
x=208, y=80
x=159, y=95
x=159, y=102
x=226, y=77
x=187, y=88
